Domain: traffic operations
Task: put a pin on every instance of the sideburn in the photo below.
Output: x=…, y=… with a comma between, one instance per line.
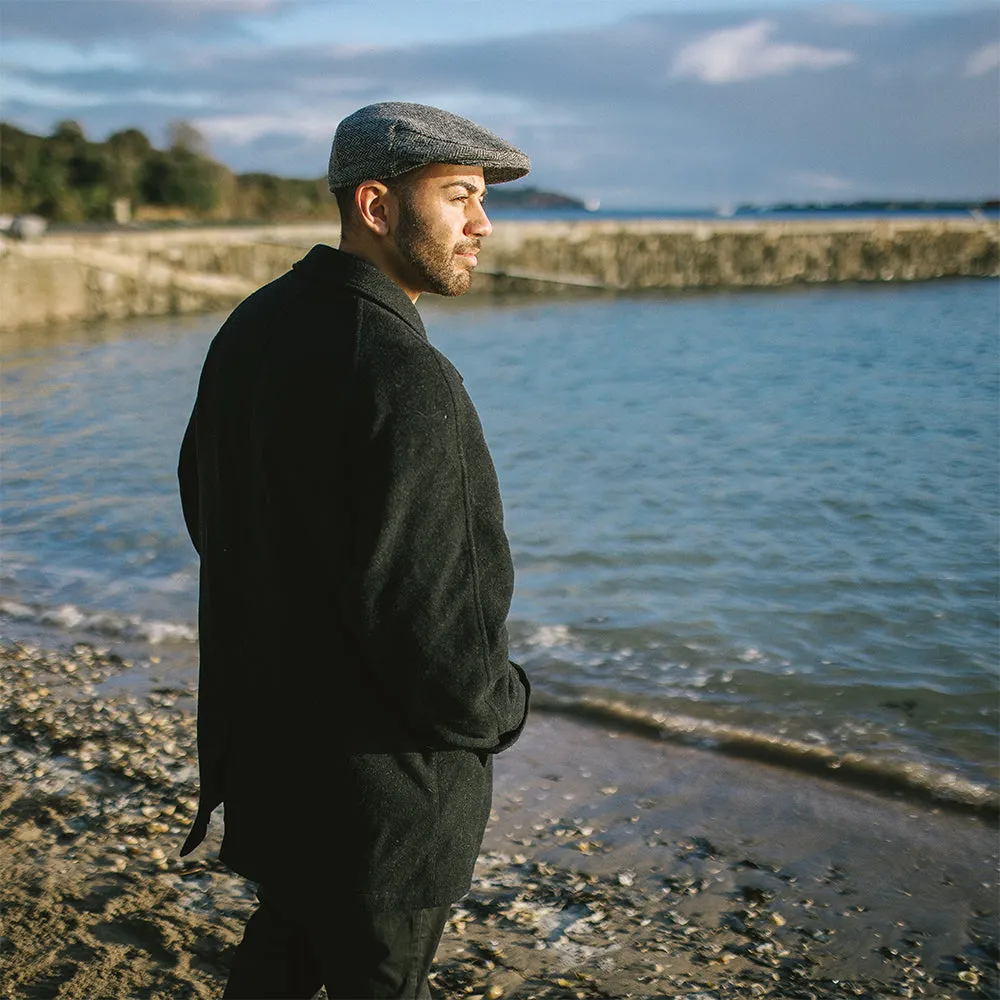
x=429, y=258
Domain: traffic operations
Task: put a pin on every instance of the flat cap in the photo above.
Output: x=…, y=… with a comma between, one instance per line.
x=385, y=140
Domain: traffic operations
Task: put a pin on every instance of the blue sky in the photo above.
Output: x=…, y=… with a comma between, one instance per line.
x=637, y=103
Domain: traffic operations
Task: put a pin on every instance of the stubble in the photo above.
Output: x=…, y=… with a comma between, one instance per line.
x=434, y=260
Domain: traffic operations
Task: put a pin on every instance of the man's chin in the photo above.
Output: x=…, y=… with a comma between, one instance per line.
x=459, y=283
x=449, y=277
x=453, y=291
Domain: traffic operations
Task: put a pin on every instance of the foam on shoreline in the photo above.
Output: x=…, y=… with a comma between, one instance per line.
x=889, y=775
x=870, y=770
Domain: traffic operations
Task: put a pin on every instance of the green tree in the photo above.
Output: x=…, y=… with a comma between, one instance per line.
x=129, y=150
x=67, y=178
x=20, y=163
x=182, y=179
x=183, y=176
x=184, y=136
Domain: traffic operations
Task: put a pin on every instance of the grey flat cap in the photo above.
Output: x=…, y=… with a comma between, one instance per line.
x=385, y=140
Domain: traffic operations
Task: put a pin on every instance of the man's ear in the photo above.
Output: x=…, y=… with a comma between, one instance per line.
x=371, y=199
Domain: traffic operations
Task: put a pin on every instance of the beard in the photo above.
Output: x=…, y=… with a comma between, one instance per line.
x=431, y=258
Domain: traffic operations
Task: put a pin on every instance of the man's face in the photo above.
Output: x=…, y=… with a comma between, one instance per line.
x=439, y=228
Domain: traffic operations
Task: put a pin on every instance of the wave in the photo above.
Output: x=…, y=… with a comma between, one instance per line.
x=850, y=767
x=856, y=767
x=110, y=625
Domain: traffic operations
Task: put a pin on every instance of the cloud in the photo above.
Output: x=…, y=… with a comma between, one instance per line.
x=85, y=22
x=593, y=106
x=851, y=14
x=745, y=53
x=250, y=128
x=818, y=181
x=984, y=60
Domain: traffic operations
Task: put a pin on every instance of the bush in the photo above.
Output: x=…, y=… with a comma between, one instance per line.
x=66, y=178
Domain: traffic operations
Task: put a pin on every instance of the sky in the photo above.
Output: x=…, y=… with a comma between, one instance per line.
x=632, y=103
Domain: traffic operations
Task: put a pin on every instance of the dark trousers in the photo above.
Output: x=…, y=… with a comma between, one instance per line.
x=291, y=949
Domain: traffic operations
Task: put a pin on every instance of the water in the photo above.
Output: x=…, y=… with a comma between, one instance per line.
x=723, y=213
x=765, y=521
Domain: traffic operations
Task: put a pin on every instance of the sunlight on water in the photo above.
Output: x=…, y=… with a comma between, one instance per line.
x=772, y=513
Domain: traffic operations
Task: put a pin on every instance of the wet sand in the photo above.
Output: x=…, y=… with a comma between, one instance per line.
x=614, y=865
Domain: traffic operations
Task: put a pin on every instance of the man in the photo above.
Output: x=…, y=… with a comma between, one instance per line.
x=355, y=577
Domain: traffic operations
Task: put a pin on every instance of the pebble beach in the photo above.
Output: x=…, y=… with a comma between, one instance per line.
x=613, y=866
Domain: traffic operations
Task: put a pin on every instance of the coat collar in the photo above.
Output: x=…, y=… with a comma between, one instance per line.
x=327, y=265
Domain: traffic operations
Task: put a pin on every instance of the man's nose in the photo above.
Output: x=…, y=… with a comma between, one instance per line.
x=478, y=224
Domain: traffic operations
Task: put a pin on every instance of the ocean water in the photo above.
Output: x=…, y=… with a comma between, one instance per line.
x=765, y=522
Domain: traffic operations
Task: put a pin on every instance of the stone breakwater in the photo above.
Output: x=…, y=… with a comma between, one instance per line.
x=89, y=276
x=669, y=254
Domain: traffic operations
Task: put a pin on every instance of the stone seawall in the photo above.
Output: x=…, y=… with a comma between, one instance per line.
x=82, y=277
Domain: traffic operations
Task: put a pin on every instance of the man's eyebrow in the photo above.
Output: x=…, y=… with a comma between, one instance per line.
x=468, y=185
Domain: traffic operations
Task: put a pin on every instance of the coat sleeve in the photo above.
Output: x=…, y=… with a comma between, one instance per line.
x=433, y=572
x=187, y=477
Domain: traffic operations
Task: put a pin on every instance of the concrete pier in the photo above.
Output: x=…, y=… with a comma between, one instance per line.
x=87, y=276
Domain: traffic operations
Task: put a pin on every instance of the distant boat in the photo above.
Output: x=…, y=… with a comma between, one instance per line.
x=592, y=204
x=725, y=211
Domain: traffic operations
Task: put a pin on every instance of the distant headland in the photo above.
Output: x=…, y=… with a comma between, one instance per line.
x=869, y=206
x=524, y=196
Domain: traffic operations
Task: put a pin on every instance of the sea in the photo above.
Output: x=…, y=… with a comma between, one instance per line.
x=762, y=522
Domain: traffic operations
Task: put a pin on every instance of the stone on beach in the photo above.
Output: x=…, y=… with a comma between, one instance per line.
x=582, y=889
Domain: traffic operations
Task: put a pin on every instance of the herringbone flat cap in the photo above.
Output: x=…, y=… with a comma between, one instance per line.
x=385, y=140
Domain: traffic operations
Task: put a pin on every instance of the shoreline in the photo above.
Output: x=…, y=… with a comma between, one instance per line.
x=613, y=865
x=972, y=791
x=934, y=787
x=80, y=277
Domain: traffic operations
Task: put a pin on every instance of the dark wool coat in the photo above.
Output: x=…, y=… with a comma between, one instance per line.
x=355, y=584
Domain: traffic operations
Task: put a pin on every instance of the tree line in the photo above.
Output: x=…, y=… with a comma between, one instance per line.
x=66, y=178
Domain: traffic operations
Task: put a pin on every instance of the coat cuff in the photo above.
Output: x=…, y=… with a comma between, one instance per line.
x=509, y=738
